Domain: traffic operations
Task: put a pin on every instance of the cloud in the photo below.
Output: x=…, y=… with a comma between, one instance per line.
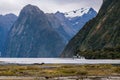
x=48, y=6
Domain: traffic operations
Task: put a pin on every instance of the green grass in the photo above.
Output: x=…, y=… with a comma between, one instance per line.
x=57, y=70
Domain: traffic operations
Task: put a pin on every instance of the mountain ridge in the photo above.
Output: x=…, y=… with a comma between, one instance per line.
x=34, y=32
x=99, y=38
x=78, y=12
x=6, y=22
x=31, y=36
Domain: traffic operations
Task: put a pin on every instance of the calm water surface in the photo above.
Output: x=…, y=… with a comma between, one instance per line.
x=58, y=61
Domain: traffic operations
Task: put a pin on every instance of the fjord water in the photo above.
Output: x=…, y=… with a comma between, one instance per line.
x=57, y=61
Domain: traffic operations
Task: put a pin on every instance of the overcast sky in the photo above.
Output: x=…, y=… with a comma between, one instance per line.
x=48, y=6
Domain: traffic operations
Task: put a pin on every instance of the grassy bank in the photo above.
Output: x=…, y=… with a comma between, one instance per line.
x=57, y=70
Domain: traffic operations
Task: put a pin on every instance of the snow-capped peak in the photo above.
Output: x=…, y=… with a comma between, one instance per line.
x=78, y=12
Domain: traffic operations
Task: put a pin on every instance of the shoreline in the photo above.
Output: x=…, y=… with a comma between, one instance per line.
x=57, y=61
x=59, y=72
x=60, y=78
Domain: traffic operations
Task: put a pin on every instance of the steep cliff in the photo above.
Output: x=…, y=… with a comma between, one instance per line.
x=98, y=34
x=6, y=22
x=32, y=35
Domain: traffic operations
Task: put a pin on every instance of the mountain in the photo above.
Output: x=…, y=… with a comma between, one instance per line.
x=65, y=22
x=58, y=22
x=100, y=37
x=34, y=32
x=73, y=21
x=78, y=18
x=69, y=23
x=33, y=35
x=6, y=22
x=79, y=12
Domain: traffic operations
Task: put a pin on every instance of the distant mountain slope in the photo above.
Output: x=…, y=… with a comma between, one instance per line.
x=98, y=34
x=64, y=30
x=79, y=17
x=77, y=13
x=36, y=34
x=6, y=22
x=32, y=35
x=74, y=20
x=69, y=23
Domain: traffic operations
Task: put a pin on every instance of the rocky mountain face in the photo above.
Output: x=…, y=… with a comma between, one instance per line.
x=36, y=34
x=33, y=35
x=99, y=34
x=71, y=22
x=6, y=22
x=59, y=23
x=78, y=18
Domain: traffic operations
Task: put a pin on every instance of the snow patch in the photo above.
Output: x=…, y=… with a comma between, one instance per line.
x=78, y=12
